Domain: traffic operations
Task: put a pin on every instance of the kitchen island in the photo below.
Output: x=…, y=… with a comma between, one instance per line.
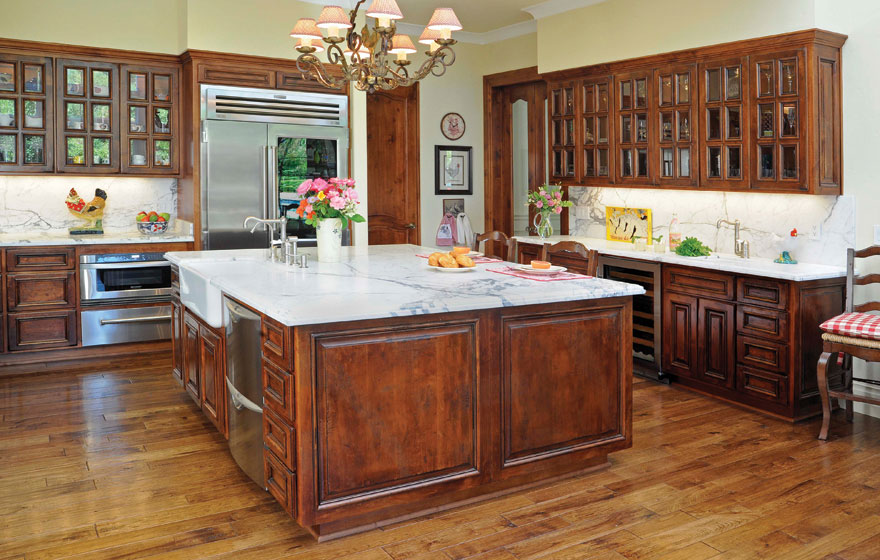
x=391, y=389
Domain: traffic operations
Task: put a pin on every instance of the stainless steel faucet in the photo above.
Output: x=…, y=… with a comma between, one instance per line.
x=740, y=246
x=281, y=245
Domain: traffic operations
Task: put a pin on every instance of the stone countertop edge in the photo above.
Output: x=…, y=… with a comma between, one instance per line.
x=182, y=233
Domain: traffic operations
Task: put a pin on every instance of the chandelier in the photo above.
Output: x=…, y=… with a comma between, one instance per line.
x=365, y=60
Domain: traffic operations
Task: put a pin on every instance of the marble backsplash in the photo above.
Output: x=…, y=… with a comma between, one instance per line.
x=31, y=204
x=765, y=218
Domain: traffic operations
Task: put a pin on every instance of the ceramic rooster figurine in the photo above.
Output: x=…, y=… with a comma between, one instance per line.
x=92, y=211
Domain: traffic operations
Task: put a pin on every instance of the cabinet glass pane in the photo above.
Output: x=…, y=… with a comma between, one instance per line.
x=683, y=88
x=569, y=163
x=7, y=148
x=684, y=162
x=75, y=151
x=602, y=97
x=713, y=84
x=788, y=77
x=556, y=133
x=765, y=79
x=161, y=88
x=137, y=151
x=589, y=163
x=100, y=83
x=589, y=130
x=137, y=86
x=162, y=153
x=34, y=151
x=7, y=76
x=7, y=113
x=602, y=154
x=101, y=151
x=734, y=83
x=137, y=119
x=555, y=101
x=734, y=163
x=33, y=78
x=789, y=162
x=569, y=132
x=589, y=99
x=557, y=163
x=626, y=129
x=642, y=127
x=734, y=122
x=789, y=120
x=765, y=114
x=642, y=161
x=75, y=113
x=767, y=169
x=665, y=90
x=33, y=113
x=714, y=169
x=569, y=101
x=713, y=131
x=602, y=125
x=641, y=93
x=74, y=80
x=626, y=95
x=626, y=163
x=666, y=162
x=684, y=125
x=666, y=134
x=100, y=117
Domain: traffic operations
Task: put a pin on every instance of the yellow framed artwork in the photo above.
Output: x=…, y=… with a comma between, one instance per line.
x=625, y=224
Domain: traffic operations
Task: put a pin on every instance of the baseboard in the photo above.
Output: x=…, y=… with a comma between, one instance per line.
x=115, y=356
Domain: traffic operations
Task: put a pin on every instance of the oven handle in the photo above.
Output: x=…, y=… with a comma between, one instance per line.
x=148, y=264
x=153, y=319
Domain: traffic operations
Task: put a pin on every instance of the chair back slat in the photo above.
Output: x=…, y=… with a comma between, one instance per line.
x=508, y=245
x=591, y=255
x=867, y=306
x=866, y=279
x=871, y=251
x=853, y=280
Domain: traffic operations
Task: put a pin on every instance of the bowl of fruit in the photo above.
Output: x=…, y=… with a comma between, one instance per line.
x=152, y=223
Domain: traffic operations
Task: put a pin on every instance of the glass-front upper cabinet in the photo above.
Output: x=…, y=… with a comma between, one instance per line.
x=149, y=119
x=634, y=99
x=563, y=135
x=87, y=117
x=26, y=111
x=676, y=132
x=723, y=126
x=778, y=149
x=597, y=131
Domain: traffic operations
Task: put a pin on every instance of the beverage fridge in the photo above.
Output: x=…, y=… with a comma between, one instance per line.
x=257, y=146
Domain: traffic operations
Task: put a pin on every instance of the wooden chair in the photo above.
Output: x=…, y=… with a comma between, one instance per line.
x=855, y=333
x=573, y=248
x=499, y=237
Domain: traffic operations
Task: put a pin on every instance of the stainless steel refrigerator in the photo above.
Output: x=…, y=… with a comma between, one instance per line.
x=257, y=147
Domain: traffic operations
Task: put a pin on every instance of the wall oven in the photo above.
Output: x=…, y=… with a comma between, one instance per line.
x=125, y=298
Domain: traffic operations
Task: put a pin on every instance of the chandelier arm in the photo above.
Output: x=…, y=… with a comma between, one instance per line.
x=309, y=61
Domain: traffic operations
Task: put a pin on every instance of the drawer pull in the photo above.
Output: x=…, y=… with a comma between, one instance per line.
x=153, y=319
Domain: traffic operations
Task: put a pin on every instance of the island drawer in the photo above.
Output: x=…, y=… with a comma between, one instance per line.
x=762, y=292
x=280, y=482
x=45, y=329
x=755, y=352
x=40, y=291
x=762, y=322
x=279, y=438
x=40, y=258
x=762, y=384
x=698, y=282
x=276, y=344
x=278, y=392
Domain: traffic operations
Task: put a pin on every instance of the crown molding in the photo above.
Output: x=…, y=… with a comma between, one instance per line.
x=495, y=35
x=553, y=7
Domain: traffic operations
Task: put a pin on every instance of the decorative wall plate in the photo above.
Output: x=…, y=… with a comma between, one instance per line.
x=452, y=126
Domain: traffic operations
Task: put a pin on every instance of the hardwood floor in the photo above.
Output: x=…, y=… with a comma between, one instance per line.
x=121, y=465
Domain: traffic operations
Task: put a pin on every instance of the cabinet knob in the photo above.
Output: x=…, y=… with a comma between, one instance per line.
x=410, y=226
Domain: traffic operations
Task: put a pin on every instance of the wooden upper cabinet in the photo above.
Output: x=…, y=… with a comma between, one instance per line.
x=149, y=128
x=597, y=130
x=87, y=121
x=26, y=113
x=676, y=135
x=563, y=131
x=723, y=123
x=635, y=105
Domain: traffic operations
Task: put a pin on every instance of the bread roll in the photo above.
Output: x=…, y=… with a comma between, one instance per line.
x=464, y=261
x=434, y=259
x=447, y=261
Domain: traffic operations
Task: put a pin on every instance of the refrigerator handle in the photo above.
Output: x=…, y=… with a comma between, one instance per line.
x=272, y=198
x=264, y=154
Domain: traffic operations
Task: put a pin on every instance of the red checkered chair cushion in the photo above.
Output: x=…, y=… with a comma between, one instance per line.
x=857, y=325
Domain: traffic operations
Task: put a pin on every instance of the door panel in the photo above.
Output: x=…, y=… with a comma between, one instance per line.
x=393, y=166
x=715, y=342
x=680, y=331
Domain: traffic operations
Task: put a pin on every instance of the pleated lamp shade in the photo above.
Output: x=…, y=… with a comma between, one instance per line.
x=384, y=9
x=305, y=28
x=428, y=36
x=444, y=19
x=334, y=16
x=402, y=44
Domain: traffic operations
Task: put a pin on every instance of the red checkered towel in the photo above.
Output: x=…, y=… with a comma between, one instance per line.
x=857, y=325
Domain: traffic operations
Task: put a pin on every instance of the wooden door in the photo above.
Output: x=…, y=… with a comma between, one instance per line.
x=149, y=120
x=177, y=366
x=680, y=334
x=526, y=174
x=393, y=166
x=212, y=372
x=27, y=99
x=191, y=379
x=715, y=342
x=597, y=131
x=677, y=154
x=635, y=104
x=563, y=131
x=723, y=126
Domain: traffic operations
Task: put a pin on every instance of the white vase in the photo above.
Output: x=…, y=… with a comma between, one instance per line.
x=329, y=239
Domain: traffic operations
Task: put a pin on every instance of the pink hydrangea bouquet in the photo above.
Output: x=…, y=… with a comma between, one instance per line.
x=548, y=199
x=334, y=198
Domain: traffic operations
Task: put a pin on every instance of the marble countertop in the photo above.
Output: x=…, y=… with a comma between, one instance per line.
x=800, y=272
x=181, y=232
x=376, y=282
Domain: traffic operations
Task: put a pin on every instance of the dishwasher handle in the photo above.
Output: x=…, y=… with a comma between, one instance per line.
x=154, y=319
x=240, y=401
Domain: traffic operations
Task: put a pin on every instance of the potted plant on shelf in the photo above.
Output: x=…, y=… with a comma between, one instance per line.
x=329, y=205
x=547, y=200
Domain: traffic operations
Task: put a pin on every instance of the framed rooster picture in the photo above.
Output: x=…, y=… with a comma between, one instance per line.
x=453, y=170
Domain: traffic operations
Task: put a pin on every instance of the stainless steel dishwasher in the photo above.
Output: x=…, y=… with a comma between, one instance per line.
x=245, y=388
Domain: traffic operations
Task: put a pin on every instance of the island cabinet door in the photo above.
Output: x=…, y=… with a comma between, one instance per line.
x=566, y=378
x=176, y=341
x=212, y=370
x=716, y=342
x=191, y=377
x=680, y=334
